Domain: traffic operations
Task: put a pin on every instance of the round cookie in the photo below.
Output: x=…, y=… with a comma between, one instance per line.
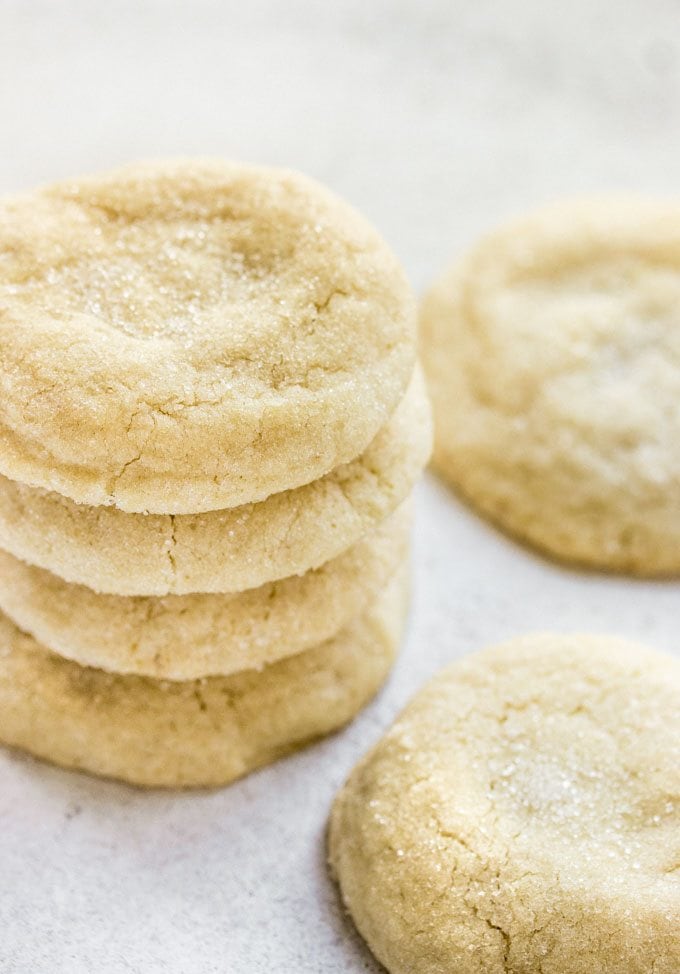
x=553, y=358
x=183, y=637
x=523, y=814
x=198, y=733
x=222, y=551
x=191, y=335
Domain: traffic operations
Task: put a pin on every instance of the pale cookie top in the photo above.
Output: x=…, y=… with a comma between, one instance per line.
x=190, y=335
x=523, y=814
x=553, y=354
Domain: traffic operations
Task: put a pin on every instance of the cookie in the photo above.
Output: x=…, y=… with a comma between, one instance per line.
x=553, y=359
x=222, y=551
x=197, y=733
x=523, y=814
x=190, y=335
x=183, y=637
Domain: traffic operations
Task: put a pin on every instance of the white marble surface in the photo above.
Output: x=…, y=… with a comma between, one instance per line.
x=437, y=118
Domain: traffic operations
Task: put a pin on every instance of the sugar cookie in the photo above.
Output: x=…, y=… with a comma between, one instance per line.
x=523, y=814
x=191, y=335
x=553, y=356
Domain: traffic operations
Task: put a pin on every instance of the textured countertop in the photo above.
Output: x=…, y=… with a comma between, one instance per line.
x=437, y=119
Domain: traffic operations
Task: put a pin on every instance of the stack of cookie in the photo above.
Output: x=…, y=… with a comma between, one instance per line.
x=210, y=425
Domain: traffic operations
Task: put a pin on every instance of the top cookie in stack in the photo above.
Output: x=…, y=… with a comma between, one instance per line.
x=206, y=385
x=187, y=337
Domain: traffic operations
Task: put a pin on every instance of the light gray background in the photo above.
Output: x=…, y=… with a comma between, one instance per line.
x=437, y=119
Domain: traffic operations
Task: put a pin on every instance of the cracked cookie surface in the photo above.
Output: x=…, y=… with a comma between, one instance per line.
x=196, y=733
x=553, y=358
x=522, y=816
x=182, y=637
x=222, y=551
x=185, y=336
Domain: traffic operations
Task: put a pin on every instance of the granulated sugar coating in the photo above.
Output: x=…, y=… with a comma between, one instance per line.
x=186, y=336
x=523, y=815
